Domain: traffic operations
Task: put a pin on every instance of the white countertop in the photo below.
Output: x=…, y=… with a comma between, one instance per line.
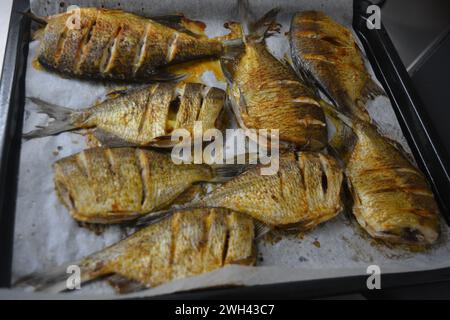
x=5, y=13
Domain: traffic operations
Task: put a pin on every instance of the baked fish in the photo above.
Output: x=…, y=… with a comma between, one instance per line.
x=305, y=192
x=112, y=185
x=96, y=43
x=327, y=54
x=392, y=199
x=266, y=93
x=144, y=116
x=186, y=244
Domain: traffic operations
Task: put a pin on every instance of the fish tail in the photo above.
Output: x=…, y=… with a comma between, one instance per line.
x=63, y=119
x=370, y=91
x=52, y=281
x=258, y=29
x=40, y=20
x=266, y=26
x=261, y=229
x=232, y=48
x=343, y=140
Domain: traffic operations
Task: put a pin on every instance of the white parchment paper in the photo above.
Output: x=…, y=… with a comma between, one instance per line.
x=46, y=235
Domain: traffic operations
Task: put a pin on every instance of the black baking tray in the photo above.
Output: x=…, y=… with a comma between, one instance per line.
x=427, y=150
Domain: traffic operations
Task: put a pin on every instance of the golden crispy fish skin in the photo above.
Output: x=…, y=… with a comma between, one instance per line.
x=116, y=45
x=140, y=116
x=392, y=199
x=305, y=192
x=266, y=93
x=327, y=53
x=186, y=244
x=112, y=185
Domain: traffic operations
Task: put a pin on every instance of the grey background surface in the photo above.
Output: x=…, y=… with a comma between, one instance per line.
x=5, y=13
x=412, y=24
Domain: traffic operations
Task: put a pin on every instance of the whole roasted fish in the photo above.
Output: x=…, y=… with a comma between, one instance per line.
x=392, y=199
x=144, y=116
x=98, y=43
x=306, y=191
x=327, y=53
x=267, y=94
x=111, y=185
x=187, y=244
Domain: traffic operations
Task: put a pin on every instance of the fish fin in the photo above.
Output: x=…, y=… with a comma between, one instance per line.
x=168, y=18
x=163, y=142
x=236, y=108
x=62, y=115
x=287, y=62
x=52, y=110
x=175, y=21
x=166, y=141
x=261, y=229
x=344, y=138
x=117, y=93
x=165, y=76
x=266, y=26
x=35, y=18
x=337, y=154
x=124, y=285
x=245, y=15
x=162, y=75
x=52, y=281
x=158, y=216
x=334, y=114
x=307, y=77
x=154, y=217
x=311, y=82
x=372, y=90
x=232, y=48
x=108, y=139
x=396, y=144
x=342, y=141
x=224, y=172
